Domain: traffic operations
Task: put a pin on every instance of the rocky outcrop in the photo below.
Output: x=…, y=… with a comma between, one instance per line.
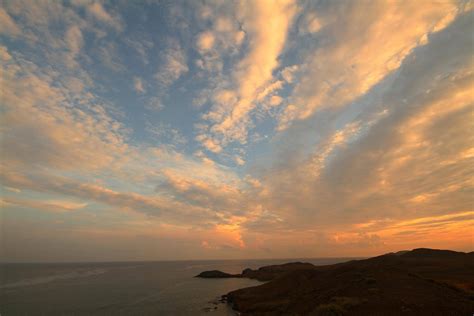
x=215, y=274
x=266, y=273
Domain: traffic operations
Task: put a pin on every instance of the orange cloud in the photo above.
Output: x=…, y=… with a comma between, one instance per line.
x=364, y=52
x=266, y=24
x=205, y=41
x=49, y=205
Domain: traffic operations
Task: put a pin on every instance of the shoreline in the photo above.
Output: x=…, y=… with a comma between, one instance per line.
x=417, y=282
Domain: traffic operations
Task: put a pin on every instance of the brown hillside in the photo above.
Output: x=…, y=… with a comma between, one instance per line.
x=418, y=282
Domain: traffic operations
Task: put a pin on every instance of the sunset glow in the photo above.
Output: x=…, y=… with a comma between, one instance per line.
x=165, y=130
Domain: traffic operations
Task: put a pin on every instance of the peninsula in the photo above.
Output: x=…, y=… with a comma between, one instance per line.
x=417, y=282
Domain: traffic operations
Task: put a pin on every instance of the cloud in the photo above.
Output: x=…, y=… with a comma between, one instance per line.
x=41, y=130
x=222, y=24
x=4, y=54
x=239, y=161
x=226, y=196
x=266, y=26
x=173, y=65
x=209, y=144
x=139, y=85
x=166, y=134
x=8, y=25
x=49, y=206
x=37, y=14
x=349, y=65
x=158, y=206
x=110, y=57
x=275, y=100
x=59, y=33
x=141, y=46
x=96, y=9
x=75, y=42
x=288, y=73
x=310, y=24
x=155, y=104
x=316, y=132
x=205, y=41
x=447, y=229
x=403, y=155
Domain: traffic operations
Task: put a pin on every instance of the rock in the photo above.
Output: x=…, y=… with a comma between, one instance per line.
x=209, y=309
x=246, y=271
x=215, y=274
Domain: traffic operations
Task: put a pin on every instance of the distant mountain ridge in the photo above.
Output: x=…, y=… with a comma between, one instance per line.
x=417, y=282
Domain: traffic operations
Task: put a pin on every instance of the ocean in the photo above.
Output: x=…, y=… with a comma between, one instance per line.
x=124, y=288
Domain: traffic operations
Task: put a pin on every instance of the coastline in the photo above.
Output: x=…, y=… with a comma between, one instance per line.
x=417, y=282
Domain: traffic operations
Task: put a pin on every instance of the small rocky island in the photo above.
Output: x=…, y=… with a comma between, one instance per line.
x=418, y=282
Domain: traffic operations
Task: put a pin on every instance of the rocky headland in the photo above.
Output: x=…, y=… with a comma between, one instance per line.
x=266, y=273
x=416, y=282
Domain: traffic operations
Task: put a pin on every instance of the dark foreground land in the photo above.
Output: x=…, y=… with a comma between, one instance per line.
x=417, y=282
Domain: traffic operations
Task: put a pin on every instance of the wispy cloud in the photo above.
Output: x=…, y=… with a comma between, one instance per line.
x=7, y=25
x=266, y=26
x=226, y=130
x=363, y=52
x=173, y=65
x=97, y=10
x=49, y=206
x=139, y=85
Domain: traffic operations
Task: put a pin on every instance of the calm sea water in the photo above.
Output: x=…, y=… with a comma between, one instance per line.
x=123, y=288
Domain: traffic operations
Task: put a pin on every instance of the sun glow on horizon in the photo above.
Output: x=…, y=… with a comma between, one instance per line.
x=221, y=129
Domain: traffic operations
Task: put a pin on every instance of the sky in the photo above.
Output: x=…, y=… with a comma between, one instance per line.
x=176, y=130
